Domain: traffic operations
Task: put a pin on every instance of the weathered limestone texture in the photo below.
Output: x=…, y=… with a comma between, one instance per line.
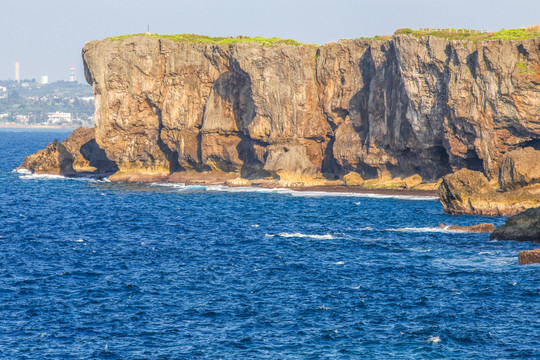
x=395, y=108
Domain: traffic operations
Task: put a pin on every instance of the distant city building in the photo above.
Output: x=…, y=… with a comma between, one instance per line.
x=58, y=117
x=17, y=72
x=72, y=73
x=3, y=89
x=21, y=119
x=44, y=79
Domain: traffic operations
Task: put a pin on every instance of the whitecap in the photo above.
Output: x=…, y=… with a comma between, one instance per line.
x=22, y=171
x=428, y=230
x=300, y=235
x=255, y=226
x=339, y=263
x=33, y=176
x=79, y=240
x=434, y=339
x=357, y=203
x=286, y=191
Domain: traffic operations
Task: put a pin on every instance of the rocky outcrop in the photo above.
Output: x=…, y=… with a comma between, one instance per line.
x=529, y=257
x=520, y=168
x=405, y=106
x=54, y=159
x=78, y=154
x=521, y=227
x=470, y=192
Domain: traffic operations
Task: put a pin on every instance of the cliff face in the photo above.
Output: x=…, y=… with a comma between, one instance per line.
x=405, y=106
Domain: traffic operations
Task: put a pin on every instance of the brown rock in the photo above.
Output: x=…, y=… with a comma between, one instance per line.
x=478, y=228
x=469, y=192
x=402, y=106
x=529, y=257
x=412, y=181
x=521, y=227
x=353, y=179
x=54, y=159
x=520, y=168
x=78, y=154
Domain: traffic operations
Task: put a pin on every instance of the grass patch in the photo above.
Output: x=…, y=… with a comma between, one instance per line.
x=203, y=39
x=476, y=35
x=522, y=68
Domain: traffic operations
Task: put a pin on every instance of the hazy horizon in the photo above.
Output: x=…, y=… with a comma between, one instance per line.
x=47, y=37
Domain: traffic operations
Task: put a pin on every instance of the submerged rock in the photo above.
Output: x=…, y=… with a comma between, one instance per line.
x=478, y=228
x=521, y=227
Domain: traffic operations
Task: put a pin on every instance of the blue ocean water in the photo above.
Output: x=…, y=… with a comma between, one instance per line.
x=98, y=270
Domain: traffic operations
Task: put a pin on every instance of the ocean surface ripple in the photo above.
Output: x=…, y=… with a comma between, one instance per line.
x=99, y=270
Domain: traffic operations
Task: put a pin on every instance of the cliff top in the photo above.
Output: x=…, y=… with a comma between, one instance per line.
x=476, y=35
x=197, y=39
x=451, y=34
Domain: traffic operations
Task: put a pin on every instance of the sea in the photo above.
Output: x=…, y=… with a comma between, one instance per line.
x=98, y=270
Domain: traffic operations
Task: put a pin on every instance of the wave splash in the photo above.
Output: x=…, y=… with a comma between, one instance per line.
x=291, y=192
x=300, y=235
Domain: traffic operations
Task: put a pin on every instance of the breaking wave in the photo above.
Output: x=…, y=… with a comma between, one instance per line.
x=300, y=235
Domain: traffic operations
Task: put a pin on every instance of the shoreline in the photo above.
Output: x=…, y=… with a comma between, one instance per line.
x=220, y=181
x=23, y=126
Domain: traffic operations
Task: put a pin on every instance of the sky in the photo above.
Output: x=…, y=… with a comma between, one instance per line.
x=47, y=36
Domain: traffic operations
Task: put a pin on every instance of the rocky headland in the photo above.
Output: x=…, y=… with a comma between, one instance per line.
x=397, y=112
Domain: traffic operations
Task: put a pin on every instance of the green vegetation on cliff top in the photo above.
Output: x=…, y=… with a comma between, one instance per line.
x=452, y=34
x=476, y=35
x=203, y=39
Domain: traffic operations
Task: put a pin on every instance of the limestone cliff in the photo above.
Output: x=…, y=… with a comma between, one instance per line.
x=399, y=107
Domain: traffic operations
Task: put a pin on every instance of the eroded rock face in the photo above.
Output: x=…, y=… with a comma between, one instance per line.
x=469, y=192
x=406, y=106
x=78, y=154
x=54, y=159
x=520, y=168
x=521, y=227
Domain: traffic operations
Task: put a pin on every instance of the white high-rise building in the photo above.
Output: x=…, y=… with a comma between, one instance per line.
x=72, y=73
x=17, y=72
x=44, y=79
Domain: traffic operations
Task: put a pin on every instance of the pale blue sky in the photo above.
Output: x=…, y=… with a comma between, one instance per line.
x=46, y=36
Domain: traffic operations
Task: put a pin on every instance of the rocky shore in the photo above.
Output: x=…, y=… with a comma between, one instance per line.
x=396, y=114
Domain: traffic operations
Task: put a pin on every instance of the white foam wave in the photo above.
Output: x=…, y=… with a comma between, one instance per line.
x=297, y=193
x=428, y=230
x=22, y=171
x=31, y=176
x=434, y=339
x=300, y=235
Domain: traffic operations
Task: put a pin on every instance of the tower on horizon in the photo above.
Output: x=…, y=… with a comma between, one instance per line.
x=17, y=72
x=72, y=73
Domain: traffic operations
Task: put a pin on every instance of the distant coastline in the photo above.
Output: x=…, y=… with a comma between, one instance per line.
x=24, y=126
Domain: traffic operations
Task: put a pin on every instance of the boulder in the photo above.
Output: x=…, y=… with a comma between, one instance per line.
x=412, y=181
x=469, y=192
x=521, y=227
x=529, y=257
x=459, y=190
x=519, y=168
x=353, y=179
